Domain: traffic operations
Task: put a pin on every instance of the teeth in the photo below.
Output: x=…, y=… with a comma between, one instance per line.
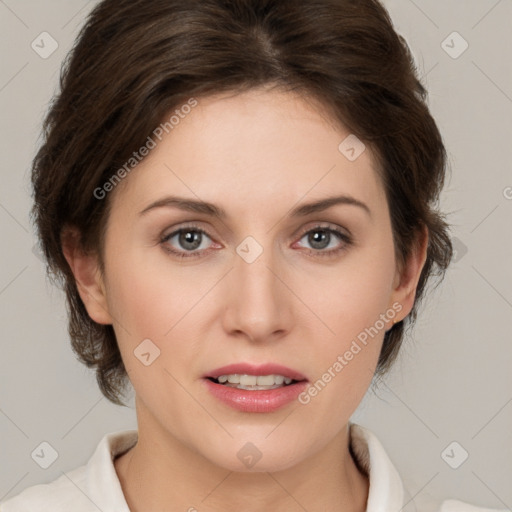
x=244, y=381
x=249, y=380
x=264, y=380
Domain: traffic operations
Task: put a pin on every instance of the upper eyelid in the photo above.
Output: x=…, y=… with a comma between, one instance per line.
x=191, y=227
x=324, y=225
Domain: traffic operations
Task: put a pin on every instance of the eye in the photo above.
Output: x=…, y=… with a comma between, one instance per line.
x=186, y=242
x=326, y=241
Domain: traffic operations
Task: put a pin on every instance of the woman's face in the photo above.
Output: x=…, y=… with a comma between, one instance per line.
x=265, y=283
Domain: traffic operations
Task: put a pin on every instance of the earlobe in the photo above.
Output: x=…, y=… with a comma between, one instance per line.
x=88, y=278
x=406, y=279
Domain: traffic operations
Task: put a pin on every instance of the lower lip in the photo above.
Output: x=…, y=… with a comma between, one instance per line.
x=262, y=400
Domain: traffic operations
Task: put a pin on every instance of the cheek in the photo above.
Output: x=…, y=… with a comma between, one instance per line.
x=152, y=298
x=147, y=295
x=352, y=301
x=351, y=296
x=345, y=358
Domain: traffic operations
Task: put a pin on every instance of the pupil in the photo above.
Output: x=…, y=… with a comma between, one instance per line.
x=190, y=239
x=318, y=238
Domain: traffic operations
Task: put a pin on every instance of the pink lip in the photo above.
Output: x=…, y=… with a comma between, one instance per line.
x=252, y=369
x=255, y=401
x=262, y=401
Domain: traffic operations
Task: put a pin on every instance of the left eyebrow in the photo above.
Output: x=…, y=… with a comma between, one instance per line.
x=319, y=206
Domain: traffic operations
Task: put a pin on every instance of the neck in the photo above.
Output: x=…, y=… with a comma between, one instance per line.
x=161, y=473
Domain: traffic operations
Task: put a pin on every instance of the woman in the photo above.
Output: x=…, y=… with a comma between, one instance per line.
x=240, y=198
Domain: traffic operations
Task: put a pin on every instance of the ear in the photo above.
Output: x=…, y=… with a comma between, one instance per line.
x=408, y=275
x=86, y=270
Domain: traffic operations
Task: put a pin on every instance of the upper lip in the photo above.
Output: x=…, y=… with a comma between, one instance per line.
x=256, y=369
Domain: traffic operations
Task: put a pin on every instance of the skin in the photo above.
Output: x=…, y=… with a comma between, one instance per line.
x=257, y=155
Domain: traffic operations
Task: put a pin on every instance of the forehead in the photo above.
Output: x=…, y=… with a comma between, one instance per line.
x=251, y=150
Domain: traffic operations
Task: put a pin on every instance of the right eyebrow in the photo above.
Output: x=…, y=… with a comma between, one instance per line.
x=186, y=204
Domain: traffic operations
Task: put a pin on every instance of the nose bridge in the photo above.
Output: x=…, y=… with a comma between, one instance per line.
x=257, y=302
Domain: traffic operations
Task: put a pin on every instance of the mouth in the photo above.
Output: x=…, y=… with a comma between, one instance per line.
x=255, y=388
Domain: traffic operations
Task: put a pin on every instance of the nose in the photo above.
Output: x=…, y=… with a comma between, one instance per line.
x=258, y=304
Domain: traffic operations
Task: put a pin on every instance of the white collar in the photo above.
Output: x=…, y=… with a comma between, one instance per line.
x=386, y=492
x=103, y=485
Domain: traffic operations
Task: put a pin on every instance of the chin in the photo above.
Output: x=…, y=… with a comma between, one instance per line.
x=255, y=454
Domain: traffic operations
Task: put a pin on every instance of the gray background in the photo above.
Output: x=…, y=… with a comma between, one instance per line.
x=452, y=381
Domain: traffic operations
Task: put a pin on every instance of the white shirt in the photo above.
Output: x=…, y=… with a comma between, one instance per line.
x=95, y=485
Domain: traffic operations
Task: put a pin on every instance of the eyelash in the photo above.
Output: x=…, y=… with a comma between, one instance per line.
x=346, y=239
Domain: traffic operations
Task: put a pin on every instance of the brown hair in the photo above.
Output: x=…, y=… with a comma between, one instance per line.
x=136, y=60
